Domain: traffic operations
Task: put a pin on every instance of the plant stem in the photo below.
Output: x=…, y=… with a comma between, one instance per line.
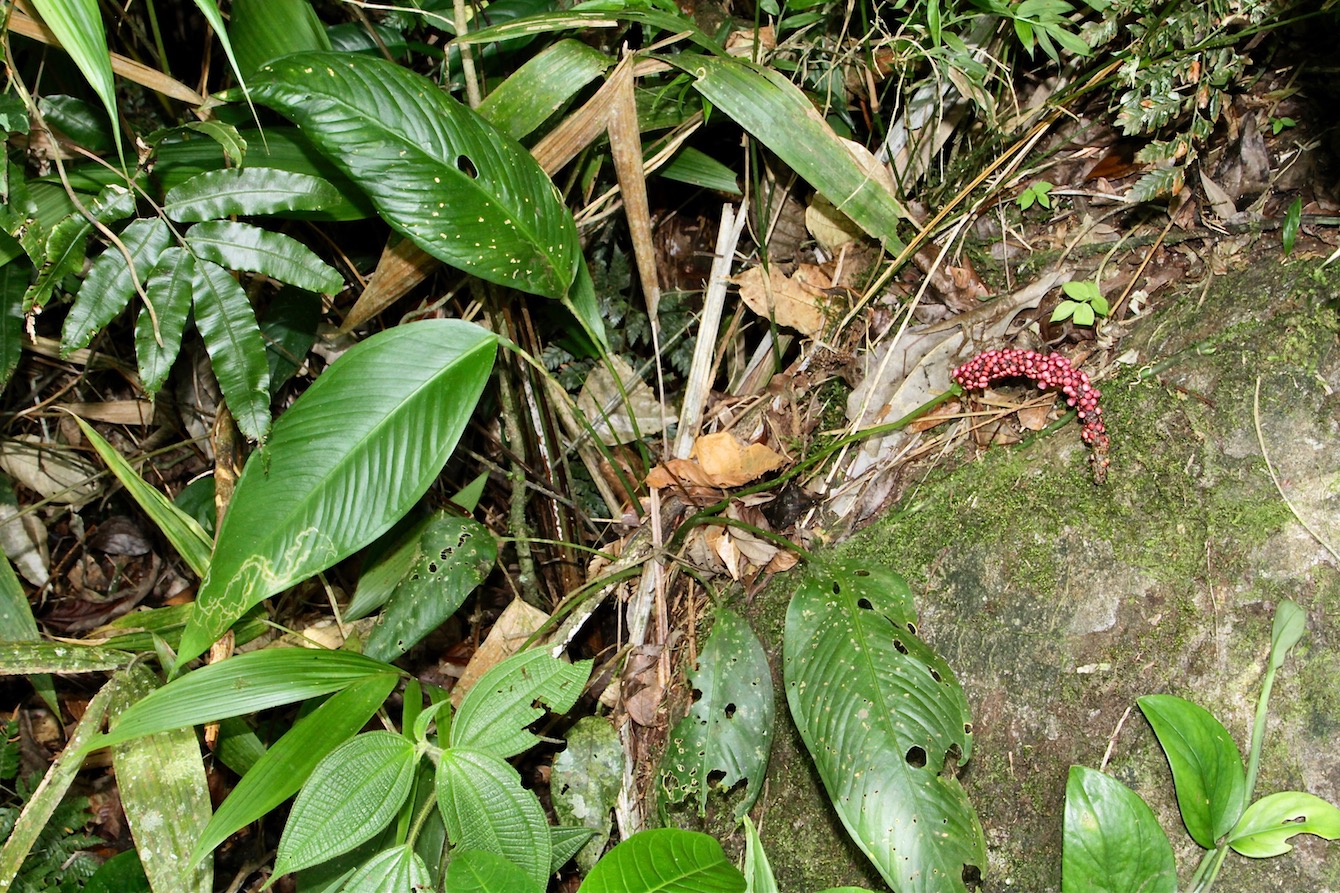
x=1259, y=730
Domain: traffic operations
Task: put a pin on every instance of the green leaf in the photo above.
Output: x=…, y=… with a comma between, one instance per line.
x=729, y=726
x=14, y=277
x=1081, y=289
x=394, y=870
x=542, y=86
x=881, y=714
x=229, y=138
x=757, y=871
x=351, y=796
x=1206, y=766
x=63, y=250
x=384, y=565
x=78, y=26
x=241, y=246
x=344, y=463
x=460, y=189
x=486, y=808
x=248, y=192
x=1083, y=315
x=289, y=326
x=697, y=168
x=1293, y=219
x=17, y=625
x=264, y=30
x=665, y=860
x=455, y=555
x=1065, y=310
x=1273, y=820
x=158, y=329
x=567, y=841
x=233, y=339
x=181, y=530
x=109, y=285
x=165, y=795
x=284, y=768
x=778, y=114
x=475, y=871
x=210, y=10
x=1112, y=842
x=494, y=714
x=585, y=782
x=27, y=658
x=1289, y=626
x=244, y=683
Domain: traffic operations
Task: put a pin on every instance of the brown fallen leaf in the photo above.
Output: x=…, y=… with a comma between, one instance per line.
x=794, y=302
x=718, y=460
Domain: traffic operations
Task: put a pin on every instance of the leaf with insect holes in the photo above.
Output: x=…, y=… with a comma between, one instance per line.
x=727, y=736
x=885, y=720
x=1269, y=823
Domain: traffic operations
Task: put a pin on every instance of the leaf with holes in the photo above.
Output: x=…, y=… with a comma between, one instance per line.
x=457, y=186
x=506, y=699
x=586, y=780
x=885, y=721
x=455, y=555
x=727, y=736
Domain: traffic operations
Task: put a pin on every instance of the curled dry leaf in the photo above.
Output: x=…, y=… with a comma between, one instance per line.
x=718, y=460
x=795, y=302
x=621, y=410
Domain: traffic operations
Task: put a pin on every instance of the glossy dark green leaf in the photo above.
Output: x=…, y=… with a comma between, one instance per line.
x=585, y=782
x=541, y=86
x=1206, y=766
x=393, y=870
x=882, y=715
x=160, y=324
x=109, y=286
x=14, y=278
x=264, y=30
x=289, y=762
x=476, y=871
x=384, y=565
x=123, y=873
x=62, y=252
x=1112, y=842
x=665, y=860
x=728, y=730
x=249, y=191
x=289, y=327
x=79, y=120
x=460, y=189
x=236, y=352
x=455, y=555
x=241, y=246
x=351, y=796
x=244, y=683
x=1269, y=823
x=486, y=808
x=494, y=715
x=344, y=463
x=78, y=26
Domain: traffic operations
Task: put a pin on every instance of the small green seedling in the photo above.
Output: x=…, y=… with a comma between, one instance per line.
x=1113, y=842
x=1292, y=221
x=1084, y=305
x=1278, y=124
x=1039, y=193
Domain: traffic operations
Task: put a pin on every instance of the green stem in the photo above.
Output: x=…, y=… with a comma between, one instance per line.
x=1259, y=730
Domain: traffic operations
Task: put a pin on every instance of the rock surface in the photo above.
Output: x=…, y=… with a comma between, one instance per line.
x=1059, y=601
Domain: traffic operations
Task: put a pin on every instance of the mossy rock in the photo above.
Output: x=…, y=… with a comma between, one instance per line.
x=1059, y=602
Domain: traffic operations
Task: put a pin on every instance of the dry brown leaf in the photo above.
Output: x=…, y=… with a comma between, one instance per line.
x=795, y=302
x=718, y=460
x=613, y=406
x=1035, y=418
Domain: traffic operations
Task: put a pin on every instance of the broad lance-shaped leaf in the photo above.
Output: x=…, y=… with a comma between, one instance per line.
x=233, y=339
x=159, y=327
x=248, y=192
x=344, y=463
x=459, y=188
x=1112, y=842
x=777, y=114
x=486, y=808
x=729, y=727
x=109, y=285
x=241, y=246
x=1206, y=766
x=882, y=716
x=63, y=250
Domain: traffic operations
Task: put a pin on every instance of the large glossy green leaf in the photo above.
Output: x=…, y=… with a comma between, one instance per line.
x=109, y=285
x=158, y=329
x=729, y=726
x=185, y=534
x=245, y=683
x=665, y=860
x=353, y=793
x=384, y=565
x=455, y=555
x=541, y=86
x=263, y=30
x=585, y=782
x=233, y=339
x=1269, y=823
x=247, y=192
x=475, y=871
x=1206, y=766
x=883, y=717
x=459, y=188
x=78, y=26
x=345, y=462
x=241, y=246
x=486, y=808
x=283, y=769
x=1112, y=842
x=777, y=114
x=62, y=251
x=165, y=795
x=495, y=713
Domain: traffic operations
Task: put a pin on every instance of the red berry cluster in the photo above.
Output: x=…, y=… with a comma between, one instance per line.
x=1049, y=371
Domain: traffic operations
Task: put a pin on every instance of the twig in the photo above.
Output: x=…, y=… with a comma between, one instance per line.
x=1260, y=439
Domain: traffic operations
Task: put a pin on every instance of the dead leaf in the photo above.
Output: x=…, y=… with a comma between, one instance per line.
x=621, y=410
x=718, y=460
x=1035, y=418
x=794, y=302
